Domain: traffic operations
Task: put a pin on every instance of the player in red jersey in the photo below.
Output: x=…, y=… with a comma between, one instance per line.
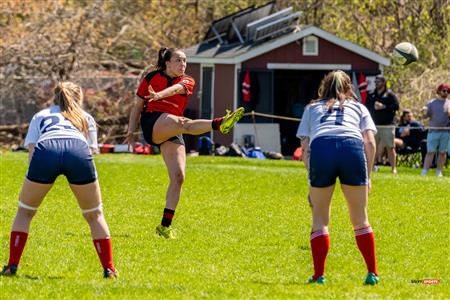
x=163, y=96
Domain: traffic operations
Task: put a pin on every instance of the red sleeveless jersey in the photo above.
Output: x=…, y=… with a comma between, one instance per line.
x=159, y=81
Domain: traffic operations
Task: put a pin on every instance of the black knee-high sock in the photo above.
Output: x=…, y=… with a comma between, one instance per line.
x=216, y=123
x=167, y=217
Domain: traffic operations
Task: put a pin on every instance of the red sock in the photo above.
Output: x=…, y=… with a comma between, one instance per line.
x=216, y=123
x=16, y=245
x=365, y=239
x=320, y=243
x=104, y=251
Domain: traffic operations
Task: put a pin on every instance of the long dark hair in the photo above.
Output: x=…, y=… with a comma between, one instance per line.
x=164, y=55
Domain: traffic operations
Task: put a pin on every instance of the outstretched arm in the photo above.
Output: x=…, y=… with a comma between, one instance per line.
x=170, y=91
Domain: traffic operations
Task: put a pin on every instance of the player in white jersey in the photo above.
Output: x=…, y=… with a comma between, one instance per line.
x=49, y=123
x=58, y=140
x=337, y=137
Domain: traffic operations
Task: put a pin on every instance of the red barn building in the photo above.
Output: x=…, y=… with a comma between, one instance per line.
x=285, y=63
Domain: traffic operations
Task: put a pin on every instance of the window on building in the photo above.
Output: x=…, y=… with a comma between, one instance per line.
x=310, y=46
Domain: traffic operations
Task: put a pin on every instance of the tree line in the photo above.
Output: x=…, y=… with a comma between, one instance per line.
x=70, y=39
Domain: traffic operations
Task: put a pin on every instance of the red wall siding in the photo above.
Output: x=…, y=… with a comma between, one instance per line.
x=329, y=53
x=193, y=70
x=223, y=97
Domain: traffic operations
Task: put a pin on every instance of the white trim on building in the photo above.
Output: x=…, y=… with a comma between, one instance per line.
x=275, y=66
x=237, y=88
x=289, y=38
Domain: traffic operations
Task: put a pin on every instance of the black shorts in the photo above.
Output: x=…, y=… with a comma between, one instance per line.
x=70, y=157
x=148, y=120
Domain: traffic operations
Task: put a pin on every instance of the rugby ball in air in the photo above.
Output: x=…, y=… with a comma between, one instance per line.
x=405, y=53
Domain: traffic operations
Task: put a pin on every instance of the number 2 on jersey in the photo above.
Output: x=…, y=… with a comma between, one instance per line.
x=339, y=116
x=51, y=123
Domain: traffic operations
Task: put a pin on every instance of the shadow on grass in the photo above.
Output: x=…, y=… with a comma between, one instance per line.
x=43, y=277
x=29, y=277
x=83, y=235
x=267, y=282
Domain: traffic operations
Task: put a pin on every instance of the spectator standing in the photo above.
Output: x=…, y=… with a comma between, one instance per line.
x=438, y=110
x=382, y=104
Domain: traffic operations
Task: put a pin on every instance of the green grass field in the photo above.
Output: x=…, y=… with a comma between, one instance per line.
x=243, y=232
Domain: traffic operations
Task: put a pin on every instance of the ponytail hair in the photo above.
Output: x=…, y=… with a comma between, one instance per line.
x=69, y=96
x=164, y=55
x=336, y=86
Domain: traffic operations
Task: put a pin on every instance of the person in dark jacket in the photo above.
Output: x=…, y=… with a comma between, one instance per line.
x=383, y=104
x=409, y=133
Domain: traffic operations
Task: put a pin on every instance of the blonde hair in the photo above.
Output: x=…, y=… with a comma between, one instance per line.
x=69, y=96
x=336, y=86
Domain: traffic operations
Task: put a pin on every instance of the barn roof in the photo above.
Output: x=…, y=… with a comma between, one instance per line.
x=237, y=53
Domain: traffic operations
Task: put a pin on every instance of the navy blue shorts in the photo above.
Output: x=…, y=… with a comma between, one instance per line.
x=333, y=157
x=148, y=120
x=70, y=157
